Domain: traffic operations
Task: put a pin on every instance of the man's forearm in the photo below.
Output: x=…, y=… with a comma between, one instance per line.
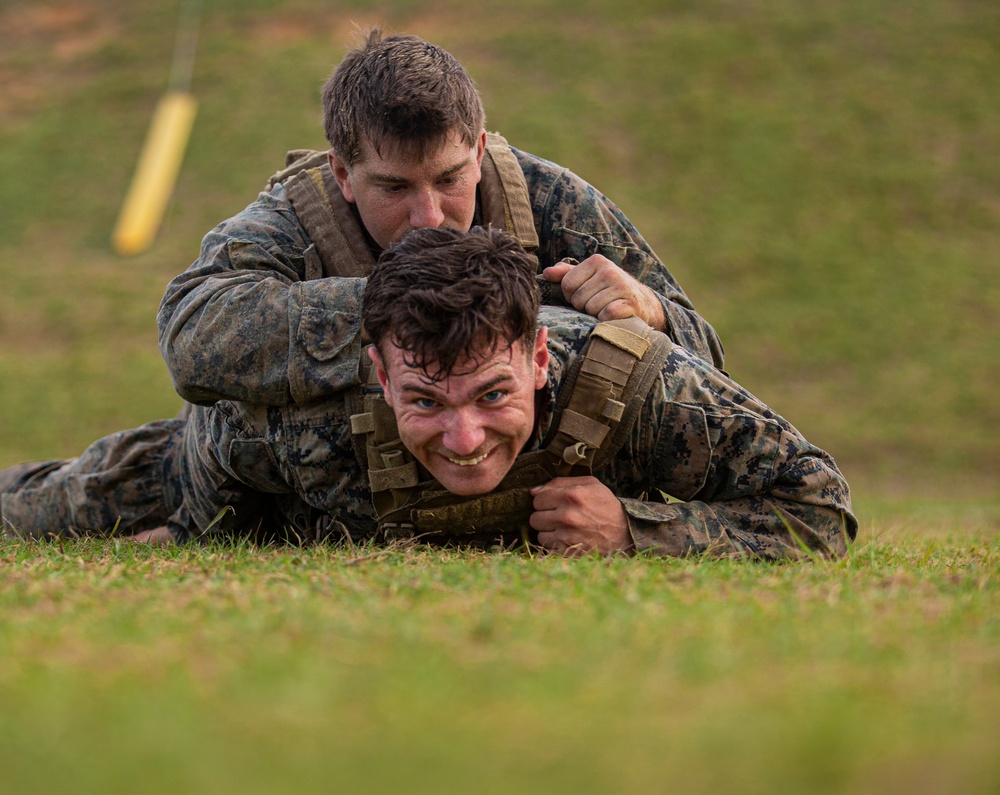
x=753, y=527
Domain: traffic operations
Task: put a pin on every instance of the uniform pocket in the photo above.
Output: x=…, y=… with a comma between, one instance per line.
x=257, y=468
x=683, y=451
x=324, y=333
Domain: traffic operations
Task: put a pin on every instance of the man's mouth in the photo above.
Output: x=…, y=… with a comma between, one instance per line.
x=468, y=462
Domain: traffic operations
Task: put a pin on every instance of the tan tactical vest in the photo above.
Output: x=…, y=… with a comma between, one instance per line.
x=597, y=405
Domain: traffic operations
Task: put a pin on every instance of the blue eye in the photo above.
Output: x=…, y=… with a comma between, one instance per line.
x=426, y=403
x=493, y=396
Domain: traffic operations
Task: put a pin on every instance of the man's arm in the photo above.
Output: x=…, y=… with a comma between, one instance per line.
x=581, y=515
x=252, y=320
x=805, y=512
x=575, y=220
x=743, y=480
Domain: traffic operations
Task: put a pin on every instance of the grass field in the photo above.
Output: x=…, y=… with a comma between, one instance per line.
x=239, y=670
x=822, y=178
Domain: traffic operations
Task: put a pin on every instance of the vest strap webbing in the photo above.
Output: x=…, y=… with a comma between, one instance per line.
x=504, y=193
x=330, y=222
x=402, y=475
x=628, y=340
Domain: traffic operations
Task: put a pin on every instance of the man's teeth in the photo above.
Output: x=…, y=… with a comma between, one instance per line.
x=468, y=462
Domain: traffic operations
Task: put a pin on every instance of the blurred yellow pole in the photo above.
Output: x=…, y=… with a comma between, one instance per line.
x=156, y=173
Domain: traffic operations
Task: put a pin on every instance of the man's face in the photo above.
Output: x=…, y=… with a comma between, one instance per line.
x=466, y=429
x=395, y=195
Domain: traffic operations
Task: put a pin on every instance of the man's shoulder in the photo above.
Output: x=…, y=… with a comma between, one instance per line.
x=562, y=199
x=540, y=174
x=268, y=221
x=567, y=327
x=568, y=332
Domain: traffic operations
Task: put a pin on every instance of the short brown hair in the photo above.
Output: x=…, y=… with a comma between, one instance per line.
x=442, y=295
x=402, y=92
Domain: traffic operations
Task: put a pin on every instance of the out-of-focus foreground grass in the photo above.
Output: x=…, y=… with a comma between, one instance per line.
x=232, y=669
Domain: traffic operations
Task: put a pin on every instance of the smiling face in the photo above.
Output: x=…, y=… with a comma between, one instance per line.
x=467, y=428
x=395, y=194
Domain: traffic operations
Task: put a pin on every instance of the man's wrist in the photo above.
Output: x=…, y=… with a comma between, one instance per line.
x=658, y=314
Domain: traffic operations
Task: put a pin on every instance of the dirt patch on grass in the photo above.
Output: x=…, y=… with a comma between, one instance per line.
x=41, y=43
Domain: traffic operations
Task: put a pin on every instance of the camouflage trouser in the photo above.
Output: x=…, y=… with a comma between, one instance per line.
x=124, y=483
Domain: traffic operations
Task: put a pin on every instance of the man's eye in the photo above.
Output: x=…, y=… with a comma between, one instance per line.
x=426, y=404
x=493, y=397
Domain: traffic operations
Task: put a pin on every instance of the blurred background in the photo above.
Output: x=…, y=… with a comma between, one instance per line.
x=823, y=180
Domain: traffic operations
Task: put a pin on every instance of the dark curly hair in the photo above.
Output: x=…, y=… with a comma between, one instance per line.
x=441, y=295
x=399, y=91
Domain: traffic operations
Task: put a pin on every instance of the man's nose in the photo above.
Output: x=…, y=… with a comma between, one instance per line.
x=464, y=434
x=426, y=211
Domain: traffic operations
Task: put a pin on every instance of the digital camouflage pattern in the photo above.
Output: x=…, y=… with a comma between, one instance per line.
x=746, y=481
x=124, y=483
x=252, y=319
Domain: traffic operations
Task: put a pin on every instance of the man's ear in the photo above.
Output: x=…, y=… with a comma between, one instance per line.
x=380, y=373
x=480, y=151
x=481, y=148
x=540, y=357
x=341, y=174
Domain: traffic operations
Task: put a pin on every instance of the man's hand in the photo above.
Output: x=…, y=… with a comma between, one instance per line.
x=577, y=515
x=600, y=288
x=157, y=537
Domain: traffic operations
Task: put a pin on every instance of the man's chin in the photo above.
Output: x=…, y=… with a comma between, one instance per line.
x=468, y=490
x=471, y=486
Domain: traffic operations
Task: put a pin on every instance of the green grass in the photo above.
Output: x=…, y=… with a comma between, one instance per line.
x=242, y=670
x=823, y=180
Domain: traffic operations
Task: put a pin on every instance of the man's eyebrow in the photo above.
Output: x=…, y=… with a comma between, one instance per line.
x=428, y=391
x=394, y=178
x=384, y=178
x=454, y=169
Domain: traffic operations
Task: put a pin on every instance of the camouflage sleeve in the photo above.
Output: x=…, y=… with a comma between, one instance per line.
x=248, y=468
x=709, y=469
x=252, y=320
x=805, y=512
x=576, y=220
x=229, y=470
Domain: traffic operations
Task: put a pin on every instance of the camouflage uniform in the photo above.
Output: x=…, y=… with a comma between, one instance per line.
x=127, y=482
x=744, y=476
x=253, y=320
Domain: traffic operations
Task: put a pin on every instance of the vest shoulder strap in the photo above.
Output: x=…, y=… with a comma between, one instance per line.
x=603, y=393
x=503, y=189
x=328, y=218
x=297, y=160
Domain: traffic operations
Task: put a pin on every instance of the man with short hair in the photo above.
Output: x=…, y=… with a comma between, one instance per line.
x=488, y=420
x=270, y=311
